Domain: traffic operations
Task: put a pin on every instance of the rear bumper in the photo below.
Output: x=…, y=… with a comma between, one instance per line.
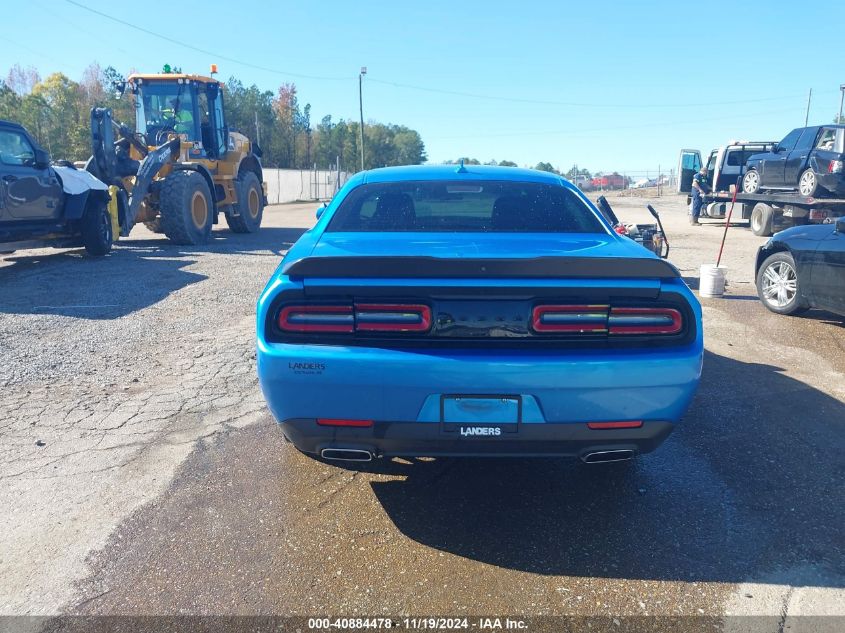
x=403, y=439
x=834, y=183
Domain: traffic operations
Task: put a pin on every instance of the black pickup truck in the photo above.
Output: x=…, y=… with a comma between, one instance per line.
x=48, y=205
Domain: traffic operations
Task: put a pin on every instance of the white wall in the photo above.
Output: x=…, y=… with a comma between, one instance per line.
x=290, y=185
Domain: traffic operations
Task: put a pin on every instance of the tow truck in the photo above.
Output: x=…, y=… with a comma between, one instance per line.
x=767, y=212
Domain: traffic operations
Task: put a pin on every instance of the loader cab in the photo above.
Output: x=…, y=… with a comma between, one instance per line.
x=190, y=106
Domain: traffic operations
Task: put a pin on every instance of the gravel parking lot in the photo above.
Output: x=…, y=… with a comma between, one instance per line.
x=142, y=473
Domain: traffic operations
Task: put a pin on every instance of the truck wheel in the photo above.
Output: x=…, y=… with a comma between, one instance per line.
x=761, y=219
x=751, y=181
x=154, y=225
x=808, y=184
x=186, y=208
x=250, y=205
x=777, y=285
x=96, y=229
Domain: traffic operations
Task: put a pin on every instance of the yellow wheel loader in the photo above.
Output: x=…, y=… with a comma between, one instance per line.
x=181, y=166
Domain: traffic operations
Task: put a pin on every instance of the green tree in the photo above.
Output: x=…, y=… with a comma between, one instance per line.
x=546, y=167
x=507, y=163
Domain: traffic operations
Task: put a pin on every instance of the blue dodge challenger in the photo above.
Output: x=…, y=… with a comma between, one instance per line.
x=462, y=311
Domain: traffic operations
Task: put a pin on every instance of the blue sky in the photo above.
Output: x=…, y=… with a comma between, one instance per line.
x=607, y=86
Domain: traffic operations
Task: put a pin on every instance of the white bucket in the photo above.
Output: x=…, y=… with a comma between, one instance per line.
x=712, y=282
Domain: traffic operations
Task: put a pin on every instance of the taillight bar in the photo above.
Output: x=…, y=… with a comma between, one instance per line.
x=604, y=319
x=645, y=321
x=362, y=317
x=392, y=317
x=570, y=318
x=317, y=318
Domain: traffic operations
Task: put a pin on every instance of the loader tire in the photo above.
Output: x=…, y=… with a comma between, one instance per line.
x=154, y=225
x=250, y=205
x=186, y=208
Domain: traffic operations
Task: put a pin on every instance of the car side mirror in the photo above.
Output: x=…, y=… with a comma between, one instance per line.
x=840, y=225
x=320, y=211
x=42, y=159
x=775, y=148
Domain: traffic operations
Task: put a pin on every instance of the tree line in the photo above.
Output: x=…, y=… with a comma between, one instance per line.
x=541, y=166
x=56, y=111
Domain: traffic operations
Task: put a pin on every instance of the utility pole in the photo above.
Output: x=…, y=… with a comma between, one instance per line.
x=809, y=99
x=257, y=130
x=361, y=106
x=842, y=96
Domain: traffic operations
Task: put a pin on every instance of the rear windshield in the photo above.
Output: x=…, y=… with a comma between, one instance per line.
x=477, y=206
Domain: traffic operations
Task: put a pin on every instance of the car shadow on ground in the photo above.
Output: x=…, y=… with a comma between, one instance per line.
x=268, y=241
x=135, y=275
x=745, y=487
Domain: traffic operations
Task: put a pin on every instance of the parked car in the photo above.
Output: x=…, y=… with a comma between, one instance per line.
x=48, y=205
x=803, y=267
x=474, y=311
x=809, y=159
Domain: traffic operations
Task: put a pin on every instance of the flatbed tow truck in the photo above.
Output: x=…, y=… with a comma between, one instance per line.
x=767, y=212
x=771, y=212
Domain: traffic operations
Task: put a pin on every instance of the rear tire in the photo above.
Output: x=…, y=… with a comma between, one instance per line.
x=778, y=287
x=250, y=205
x=808, y=183
x=761, y=219
x=96, y=229
x=186, y=208
x=751, y=181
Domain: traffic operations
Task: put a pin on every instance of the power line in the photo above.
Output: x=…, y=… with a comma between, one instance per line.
x=214, y=55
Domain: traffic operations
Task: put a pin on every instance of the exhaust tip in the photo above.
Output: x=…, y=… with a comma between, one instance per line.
x=346, y=454
x=603, y=457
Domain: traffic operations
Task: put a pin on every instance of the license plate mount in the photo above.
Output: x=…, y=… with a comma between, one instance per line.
x=480, y=415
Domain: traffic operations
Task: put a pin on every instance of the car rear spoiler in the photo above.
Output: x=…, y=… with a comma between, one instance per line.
x=380, y=267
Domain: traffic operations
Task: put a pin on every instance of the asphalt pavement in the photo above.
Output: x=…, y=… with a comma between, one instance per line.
x=144, y=475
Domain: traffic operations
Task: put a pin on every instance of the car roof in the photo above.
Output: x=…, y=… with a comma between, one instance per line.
x=12, y=124
x=458, y=172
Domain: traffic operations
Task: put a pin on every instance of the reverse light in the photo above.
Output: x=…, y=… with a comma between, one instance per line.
x=392, y=317
x=317, y=318
x=644, y=321
x=344, y=422
x=570, y=318
x=627, y=424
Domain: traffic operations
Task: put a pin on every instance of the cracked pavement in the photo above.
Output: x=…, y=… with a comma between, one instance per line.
x=164, y=487
x=112, y=370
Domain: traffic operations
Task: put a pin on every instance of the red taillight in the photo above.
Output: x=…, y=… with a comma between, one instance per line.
x=569, y=318
x=363, y=317
x=835, y=167
x=344, y=422
x=629, y=424
x=392, y=317
x=317, y=318
x=644, y=321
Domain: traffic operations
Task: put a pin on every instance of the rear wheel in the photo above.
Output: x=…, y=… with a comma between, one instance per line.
x=186, y=208
x=808, y=184
x=250, y=205
x=751, y=181
x=761, y=219
x=96, y=228
x=777, y=285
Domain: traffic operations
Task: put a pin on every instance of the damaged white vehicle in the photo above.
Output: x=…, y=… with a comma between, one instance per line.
x=49, y=205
